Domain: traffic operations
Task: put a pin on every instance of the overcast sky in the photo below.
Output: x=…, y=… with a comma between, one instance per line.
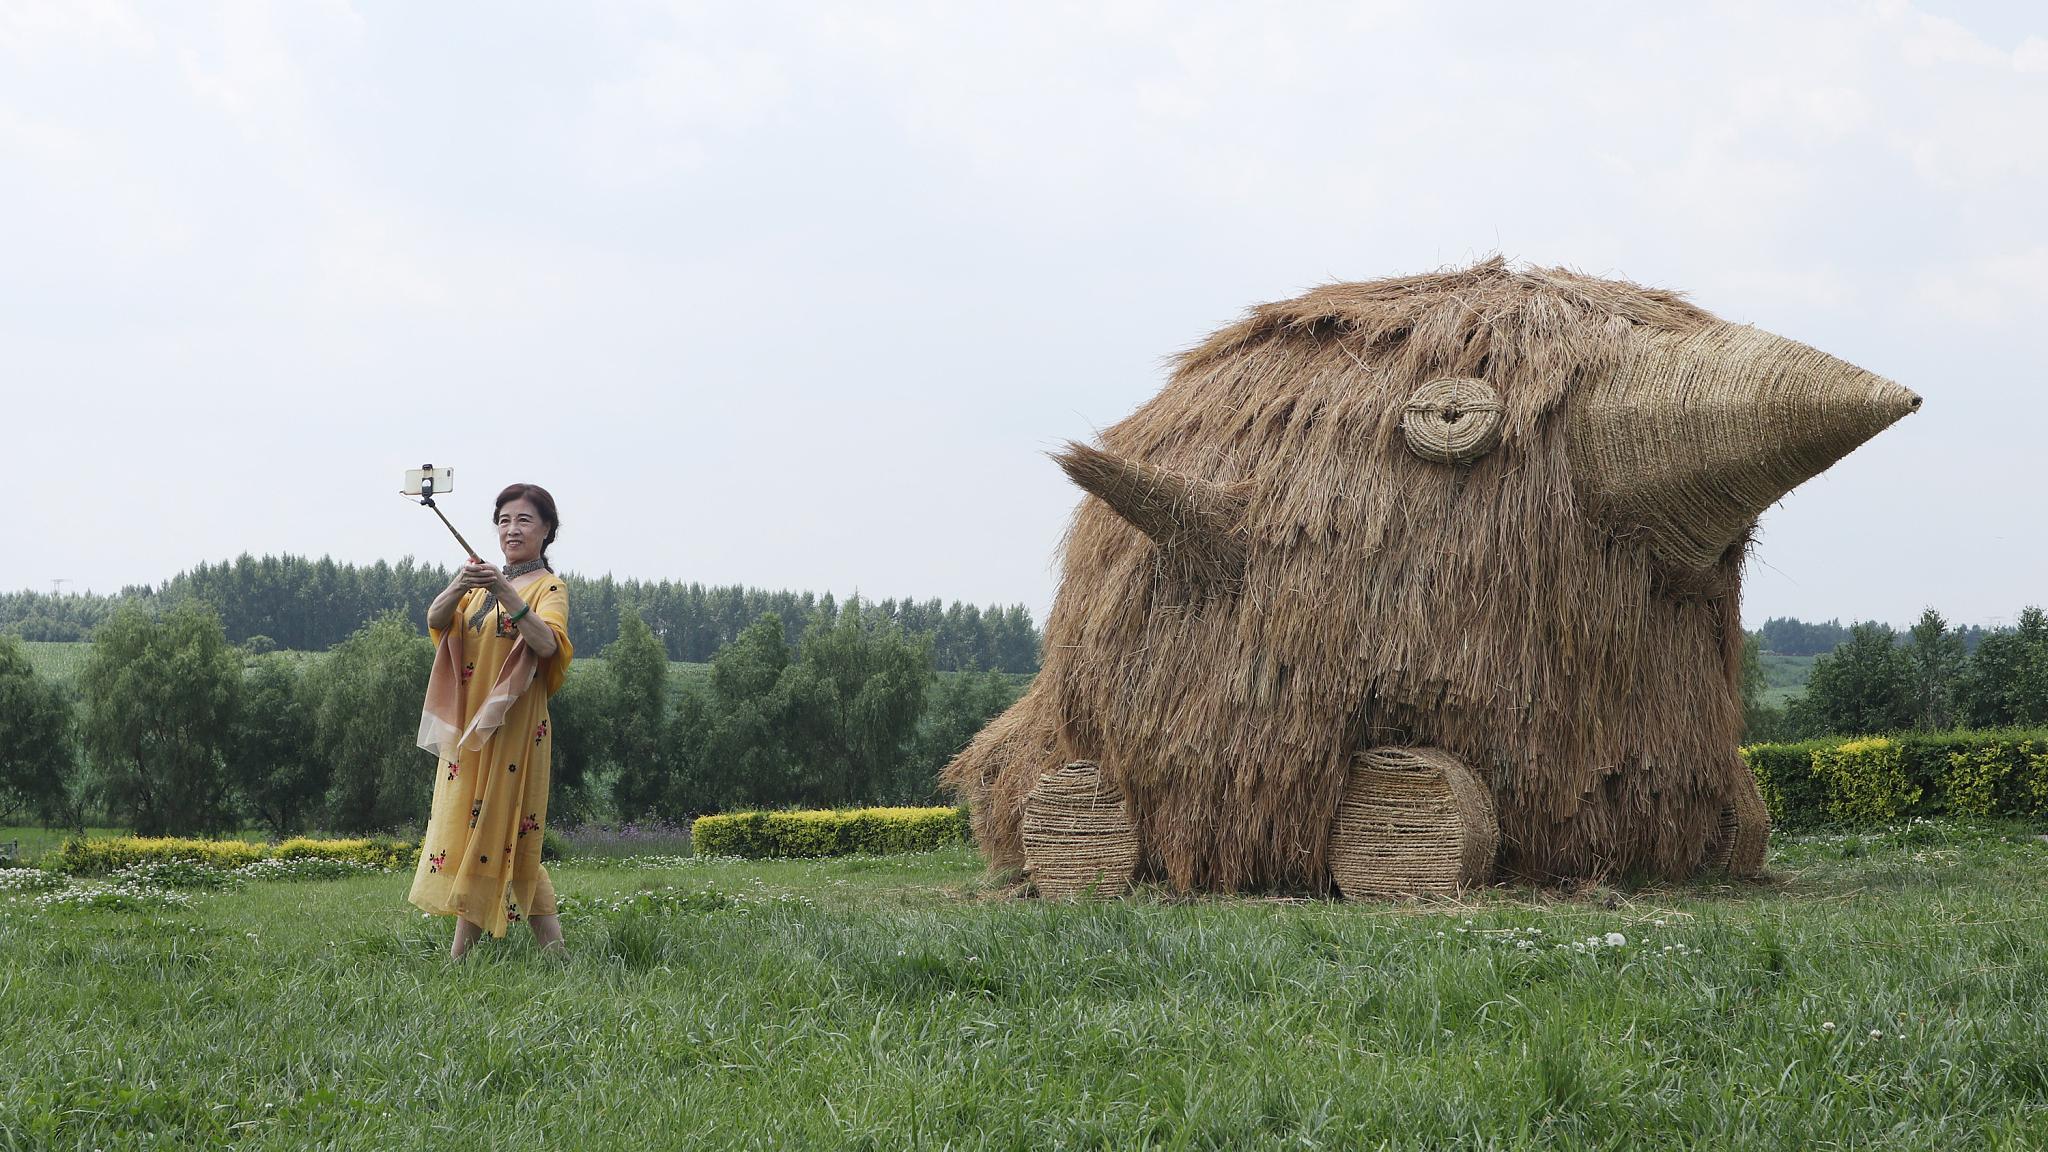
x=799, y=295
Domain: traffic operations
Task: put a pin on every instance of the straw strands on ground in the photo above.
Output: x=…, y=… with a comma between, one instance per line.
x=1271, y=575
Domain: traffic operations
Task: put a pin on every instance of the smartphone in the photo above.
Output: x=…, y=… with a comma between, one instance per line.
x=421, y=481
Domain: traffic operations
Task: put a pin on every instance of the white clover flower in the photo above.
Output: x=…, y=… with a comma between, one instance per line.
x=1658, y=923
x=1827, y=1025
x=1876, y=1035
x=1616, y=940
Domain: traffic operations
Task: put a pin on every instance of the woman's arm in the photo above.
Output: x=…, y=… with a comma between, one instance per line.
x=441, y=612
x=473, y=575
x=539, y=637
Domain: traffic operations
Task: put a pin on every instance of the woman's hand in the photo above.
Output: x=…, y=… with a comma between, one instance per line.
x=475, y=574
x=481, y=574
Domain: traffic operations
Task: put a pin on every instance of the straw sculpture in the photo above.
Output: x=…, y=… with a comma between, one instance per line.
x=1412, y=822
x=1282, y=562
x=1078, y=835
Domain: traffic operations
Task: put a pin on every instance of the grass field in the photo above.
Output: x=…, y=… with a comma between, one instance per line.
x=1881, y=991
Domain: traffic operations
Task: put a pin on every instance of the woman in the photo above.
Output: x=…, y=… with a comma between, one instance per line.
x=501, y=648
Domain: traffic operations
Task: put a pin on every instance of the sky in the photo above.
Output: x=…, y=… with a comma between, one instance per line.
x=800, y=295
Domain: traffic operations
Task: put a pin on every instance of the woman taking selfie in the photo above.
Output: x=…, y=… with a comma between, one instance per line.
x=501, y=648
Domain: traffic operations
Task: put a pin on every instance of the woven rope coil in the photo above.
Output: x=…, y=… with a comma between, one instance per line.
x=1453, y=420
x=1743, y=834
x=1413, y=822
x=1078, y=834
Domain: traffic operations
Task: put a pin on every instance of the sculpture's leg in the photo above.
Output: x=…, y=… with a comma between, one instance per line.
x=1413, y=822
x=1744, y=832
x=1078, y=834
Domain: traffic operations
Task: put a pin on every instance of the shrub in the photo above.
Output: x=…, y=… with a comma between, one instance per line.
x=552, y=845
x=378, y=852
x=1866, y=781
x=1873, y=781
x=1999, y=778
x=100, y=856
x=865, y=831
x=93, y=856
x=1784, y=774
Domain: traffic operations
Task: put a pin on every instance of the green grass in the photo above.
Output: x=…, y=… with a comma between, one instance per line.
x=1784, y=676
x=35, y=840
x=887, y=1004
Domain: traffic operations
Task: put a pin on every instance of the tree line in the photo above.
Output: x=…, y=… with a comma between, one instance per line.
x=298, y=603
x=172, y=729
x=1790, y=637
x=1930, y=678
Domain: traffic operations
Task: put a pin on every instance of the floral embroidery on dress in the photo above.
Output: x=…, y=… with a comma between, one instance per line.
x=468, y=670
x=540, y=733
x=511, y=767
x=435, y=861
x=529, y=823
x=511, y=909
x=474, y=810
x=454, y=769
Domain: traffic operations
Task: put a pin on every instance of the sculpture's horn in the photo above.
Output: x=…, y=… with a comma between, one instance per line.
x=1199, y=523
x=1699, y=432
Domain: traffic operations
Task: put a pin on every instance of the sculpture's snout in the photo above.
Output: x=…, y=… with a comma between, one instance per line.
x=1698, y=433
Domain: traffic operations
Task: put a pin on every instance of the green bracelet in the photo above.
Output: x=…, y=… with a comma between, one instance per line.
x=523, y=610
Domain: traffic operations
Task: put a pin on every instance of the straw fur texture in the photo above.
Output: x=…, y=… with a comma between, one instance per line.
x=1268, y=579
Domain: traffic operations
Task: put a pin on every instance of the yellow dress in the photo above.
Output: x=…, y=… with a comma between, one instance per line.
x=480, y=857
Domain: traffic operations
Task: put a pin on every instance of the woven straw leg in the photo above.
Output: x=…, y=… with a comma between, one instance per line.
x=1079, y=837
x=1743, y=834
x=1413, y=822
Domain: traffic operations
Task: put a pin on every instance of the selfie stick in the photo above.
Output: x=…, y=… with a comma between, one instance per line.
x=427, y=498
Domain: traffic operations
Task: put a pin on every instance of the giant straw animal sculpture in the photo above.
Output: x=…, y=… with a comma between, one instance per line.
x=1498, y=512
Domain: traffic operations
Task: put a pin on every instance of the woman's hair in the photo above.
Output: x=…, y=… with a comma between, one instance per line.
x=543, y=503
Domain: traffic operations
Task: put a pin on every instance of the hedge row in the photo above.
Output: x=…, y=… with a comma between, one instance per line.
x=98, y=856
x=864, y=831
x=1881, y=779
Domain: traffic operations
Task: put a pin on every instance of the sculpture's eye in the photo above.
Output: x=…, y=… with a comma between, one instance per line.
x=1455, y=420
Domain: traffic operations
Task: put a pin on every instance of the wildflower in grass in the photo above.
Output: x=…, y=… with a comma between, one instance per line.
x=1616, y=940
x=1876, y=1035
x=1827, y=1025
x=13, y=880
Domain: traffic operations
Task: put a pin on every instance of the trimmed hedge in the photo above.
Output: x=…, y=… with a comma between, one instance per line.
x=863, y=831
x=1880, y=780
x=99, y=856
x=377, y=852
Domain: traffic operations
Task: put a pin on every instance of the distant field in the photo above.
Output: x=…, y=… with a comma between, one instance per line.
x=1785, y=676
x=57, y=661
